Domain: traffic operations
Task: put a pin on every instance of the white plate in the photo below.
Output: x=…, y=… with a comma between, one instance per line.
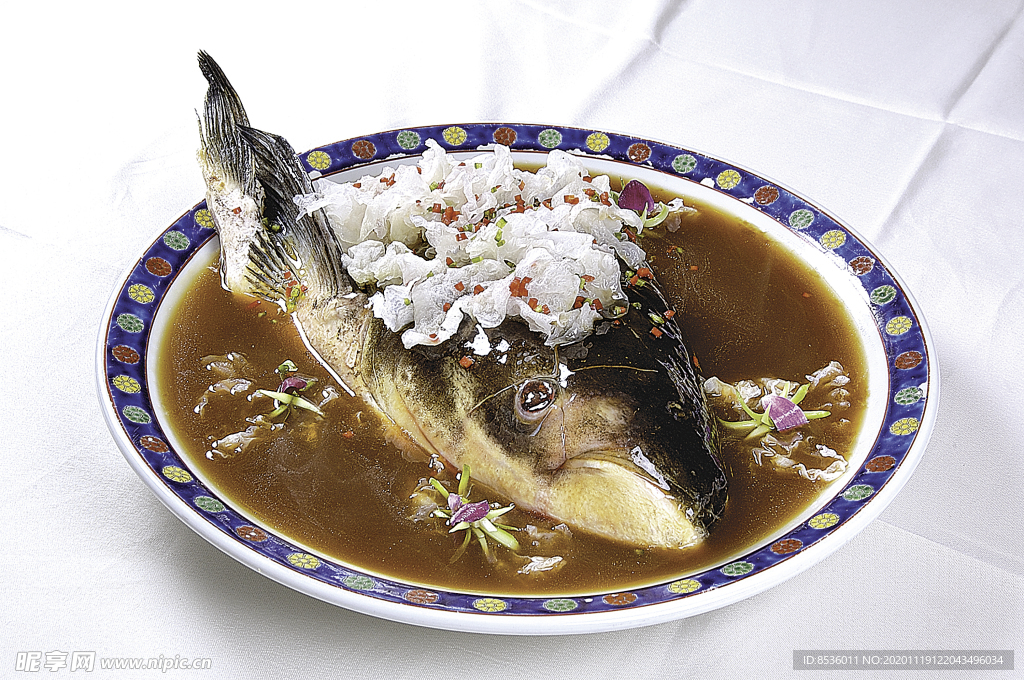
x=903, y=384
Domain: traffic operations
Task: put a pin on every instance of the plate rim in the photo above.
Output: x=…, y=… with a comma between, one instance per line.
x=502, y=621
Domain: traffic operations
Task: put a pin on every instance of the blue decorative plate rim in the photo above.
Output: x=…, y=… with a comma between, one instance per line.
x=128, y=408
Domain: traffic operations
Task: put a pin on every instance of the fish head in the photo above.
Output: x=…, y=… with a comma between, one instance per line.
x=610, y=435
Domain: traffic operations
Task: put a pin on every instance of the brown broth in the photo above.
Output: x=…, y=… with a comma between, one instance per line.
x=749, y=308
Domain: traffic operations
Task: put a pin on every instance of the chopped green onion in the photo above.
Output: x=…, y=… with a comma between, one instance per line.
x=650, y=222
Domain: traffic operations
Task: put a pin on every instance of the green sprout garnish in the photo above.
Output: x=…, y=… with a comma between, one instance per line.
x=287, y=396
x=787, y=415
x=476, y=519
x=654, y=220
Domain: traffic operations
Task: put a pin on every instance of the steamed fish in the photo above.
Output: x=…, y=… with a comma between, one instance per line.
x=610, y=434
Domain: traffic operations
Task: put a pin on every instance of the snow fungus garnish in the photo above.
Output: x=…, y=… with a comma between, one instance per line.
x=476, y=519
x=684, y=586
x=898, y=325
x=318, y=160
x=883, y=295
x=549, y=138
x=408, y=140
x=905, y=426
x=684, y=163
x=130, y=323
x=204, y=218
x=364, y=149
x=176, y=474
x=136, y=415
x=737, y=568
x=208, y=503
x=359, y=582
x=833, y=238
x=908, y=396
x=468, y=241
x=127, y=384
x=490, y=604
x=176, y=240
x=454, y=135
x=824, y=520
x=728, y=179
x=597, y=141
x=801, y=219
x=858, y=492
x=141, y=293
x=303, y=560
x=562, y=604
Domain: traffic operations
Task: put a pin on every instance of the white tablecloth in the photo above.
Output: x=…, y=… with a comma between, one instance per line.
x=904, y=118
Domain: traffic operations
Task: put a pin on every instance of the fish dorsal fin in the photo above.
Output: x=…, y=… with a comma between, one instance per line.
x=223, y=113
x=282, y=178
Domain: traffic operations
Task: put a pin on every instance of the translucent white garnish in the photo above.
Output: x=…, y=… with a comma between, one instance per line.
x=444, y=239
x=538, y=564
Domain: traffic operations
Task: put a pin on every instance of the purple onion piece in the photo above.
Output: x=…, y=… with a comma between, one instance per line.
x=636, y=196
x=454, y=502
x=784, y=413
x=470, y=512
x=292, y=385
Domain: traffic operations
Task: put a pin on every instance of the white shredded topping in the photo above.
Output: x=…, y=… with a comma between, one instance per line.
x=442, y=239
x=538, y=564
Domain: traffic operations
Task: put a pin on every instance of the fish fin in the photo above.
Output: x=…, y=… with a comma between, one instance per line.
x=306, y=237
x=221, y=142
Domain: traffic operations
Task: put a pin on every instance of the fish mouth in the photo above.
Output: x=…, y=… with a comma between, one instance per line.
x=612, y=493
x=598, y=459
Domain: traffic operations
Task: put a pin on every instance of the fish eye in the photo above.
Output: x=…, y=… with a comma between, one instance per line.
x=533, y=399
